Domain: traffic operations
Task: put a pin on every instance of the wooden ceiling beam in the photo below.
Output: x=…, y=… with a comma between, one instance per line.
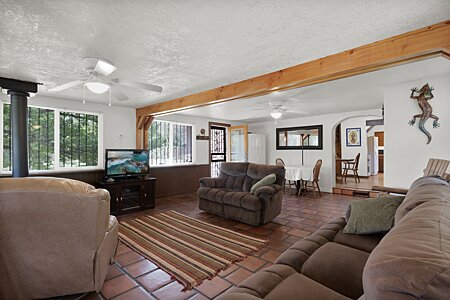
x=140, y=121
x=427, y=42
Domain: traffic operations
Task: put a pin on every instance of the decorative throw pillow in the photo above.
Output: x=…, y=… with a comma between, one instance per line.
x=372, y=215
x=267, y=180
x=349, y=207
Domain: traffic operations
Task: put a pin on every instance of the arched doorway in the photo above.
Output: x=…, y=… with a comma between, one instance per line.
x=368, y=152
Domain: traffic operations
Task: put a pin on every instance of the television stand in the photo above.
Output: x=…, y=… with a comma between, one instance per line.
x=131, y=194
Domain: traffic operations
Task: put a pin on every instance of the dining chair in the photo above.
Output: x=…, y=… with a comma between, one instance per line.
x=280, y=162
x=315, y=180
x=436, y=167
x=352, y=166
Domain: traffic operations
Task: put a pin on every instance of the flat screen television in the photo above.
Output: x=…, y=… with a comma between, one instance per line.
x=126, y=162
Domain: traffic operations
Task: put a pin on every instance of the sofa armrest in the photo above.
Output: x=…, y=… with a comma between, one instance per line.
x=210, y=182
x=266, y=192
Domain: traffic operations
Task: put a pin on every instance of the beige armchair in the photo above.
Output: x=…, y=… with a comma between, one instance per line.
x=56, y=236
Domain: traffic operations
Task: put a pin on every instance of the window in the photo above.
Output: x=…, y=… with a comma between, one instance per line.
x=57, y=139
x=41, y=138
x=6, y=139
x=170, y=143
x=78, y=140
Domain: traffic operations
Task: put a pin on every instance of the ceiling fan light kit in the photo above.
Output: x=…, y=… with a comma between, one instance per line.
x=276, y=114
x=97, y=87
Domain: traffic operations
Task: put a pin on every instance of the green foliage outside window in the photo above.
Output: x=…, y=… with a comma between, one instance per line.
x=40, y=138
x=78, y=139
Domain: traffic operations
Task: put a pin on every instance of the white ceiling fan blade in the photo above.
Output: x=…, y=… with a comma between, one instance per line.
x=118, y=94
x=66, y=86
x=137, y=84
x=104, y=67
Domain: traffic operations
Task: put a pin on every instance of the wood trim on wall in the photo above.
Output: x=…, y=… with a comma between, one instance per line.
x=427, y=42
x=176, y=180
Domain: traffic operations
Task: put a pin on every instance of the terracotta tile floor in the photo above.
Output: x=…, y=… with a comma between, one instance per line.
x=134, y=277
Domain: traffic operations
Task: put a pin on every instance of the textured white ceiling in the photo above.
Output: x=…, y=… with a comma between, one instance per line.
x=349, y=94
x=190, y=46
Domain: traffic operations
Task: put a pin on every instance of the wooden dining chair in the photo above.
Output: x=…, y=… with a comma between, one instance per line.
x=280, y=162
x=352, y=166
x=436, y=167
x=315, y=180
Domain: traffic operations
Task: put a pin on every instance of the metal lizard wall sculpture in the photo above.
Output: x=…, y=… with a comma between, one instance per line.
x=424, y=95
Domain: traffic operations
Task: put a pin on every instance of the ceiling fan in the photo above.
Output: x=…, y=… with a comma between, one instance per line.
x=277, y=108
x=95, y=78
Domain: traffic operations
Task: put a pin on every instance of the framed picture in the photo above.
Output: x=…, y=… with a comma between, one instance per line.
x=353, y=137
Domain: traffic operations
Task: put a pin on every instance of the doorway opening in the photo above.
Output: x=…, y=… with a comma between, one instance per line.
x=359, y=153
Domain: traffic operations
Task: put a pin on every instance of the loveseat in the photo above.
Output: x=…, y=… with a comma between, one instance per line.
x=229, y=194
x=412, y=261
x=56, y=236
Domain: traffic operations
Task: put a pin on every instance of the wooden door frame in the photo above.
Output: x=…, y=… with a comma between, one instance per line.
x=245, y=127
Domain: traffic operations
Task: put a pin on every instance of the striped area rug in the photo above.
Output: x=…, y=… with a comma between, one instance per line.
x=189, y=249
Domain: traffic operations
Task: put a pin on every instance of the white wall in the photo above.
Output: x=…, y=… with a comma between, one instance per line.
x=201, y=146
x=405, y=152
x=119, y=129
x=351, y=152
x=293, y=157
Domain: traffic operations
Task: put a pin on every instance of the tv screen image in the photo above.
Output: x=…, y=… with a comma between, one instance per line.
x=126, y=162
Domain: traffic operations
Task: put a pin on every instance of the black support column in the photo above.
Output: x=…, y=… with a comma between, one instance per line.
x=19, y=130
x=18, y=91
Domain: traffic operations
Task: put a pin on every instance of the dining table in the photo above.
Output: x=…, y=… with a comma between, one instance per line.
x=298, y=173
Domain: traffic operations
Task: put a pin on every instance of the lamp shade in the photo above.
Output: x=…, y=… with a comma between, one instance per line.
x=97, y=87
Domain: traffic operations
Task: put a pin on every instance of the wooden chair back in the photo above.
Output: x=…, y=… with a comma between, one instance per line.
x=357, y=161
x=436, y=167
x=316, y=170
x=279, y=162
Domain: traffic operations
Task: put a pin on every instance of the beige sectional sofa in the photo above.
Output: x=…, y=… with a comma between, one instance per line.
x=56, y=237
x=412, y=261
x=229, y=194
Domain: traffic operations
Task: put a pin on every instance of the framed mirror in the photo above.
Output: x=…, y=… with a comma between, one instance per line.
x=303, y=137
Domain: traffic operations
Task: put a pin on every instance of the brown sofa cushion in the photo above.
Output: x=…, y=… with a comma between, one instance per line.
x=212, y=194
x=298, y=253
x=232, y=198
x=233, y=175
x=242, y=199
x=338, y=267
x=281, y=282
x=363, y=242
x=413, y=259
